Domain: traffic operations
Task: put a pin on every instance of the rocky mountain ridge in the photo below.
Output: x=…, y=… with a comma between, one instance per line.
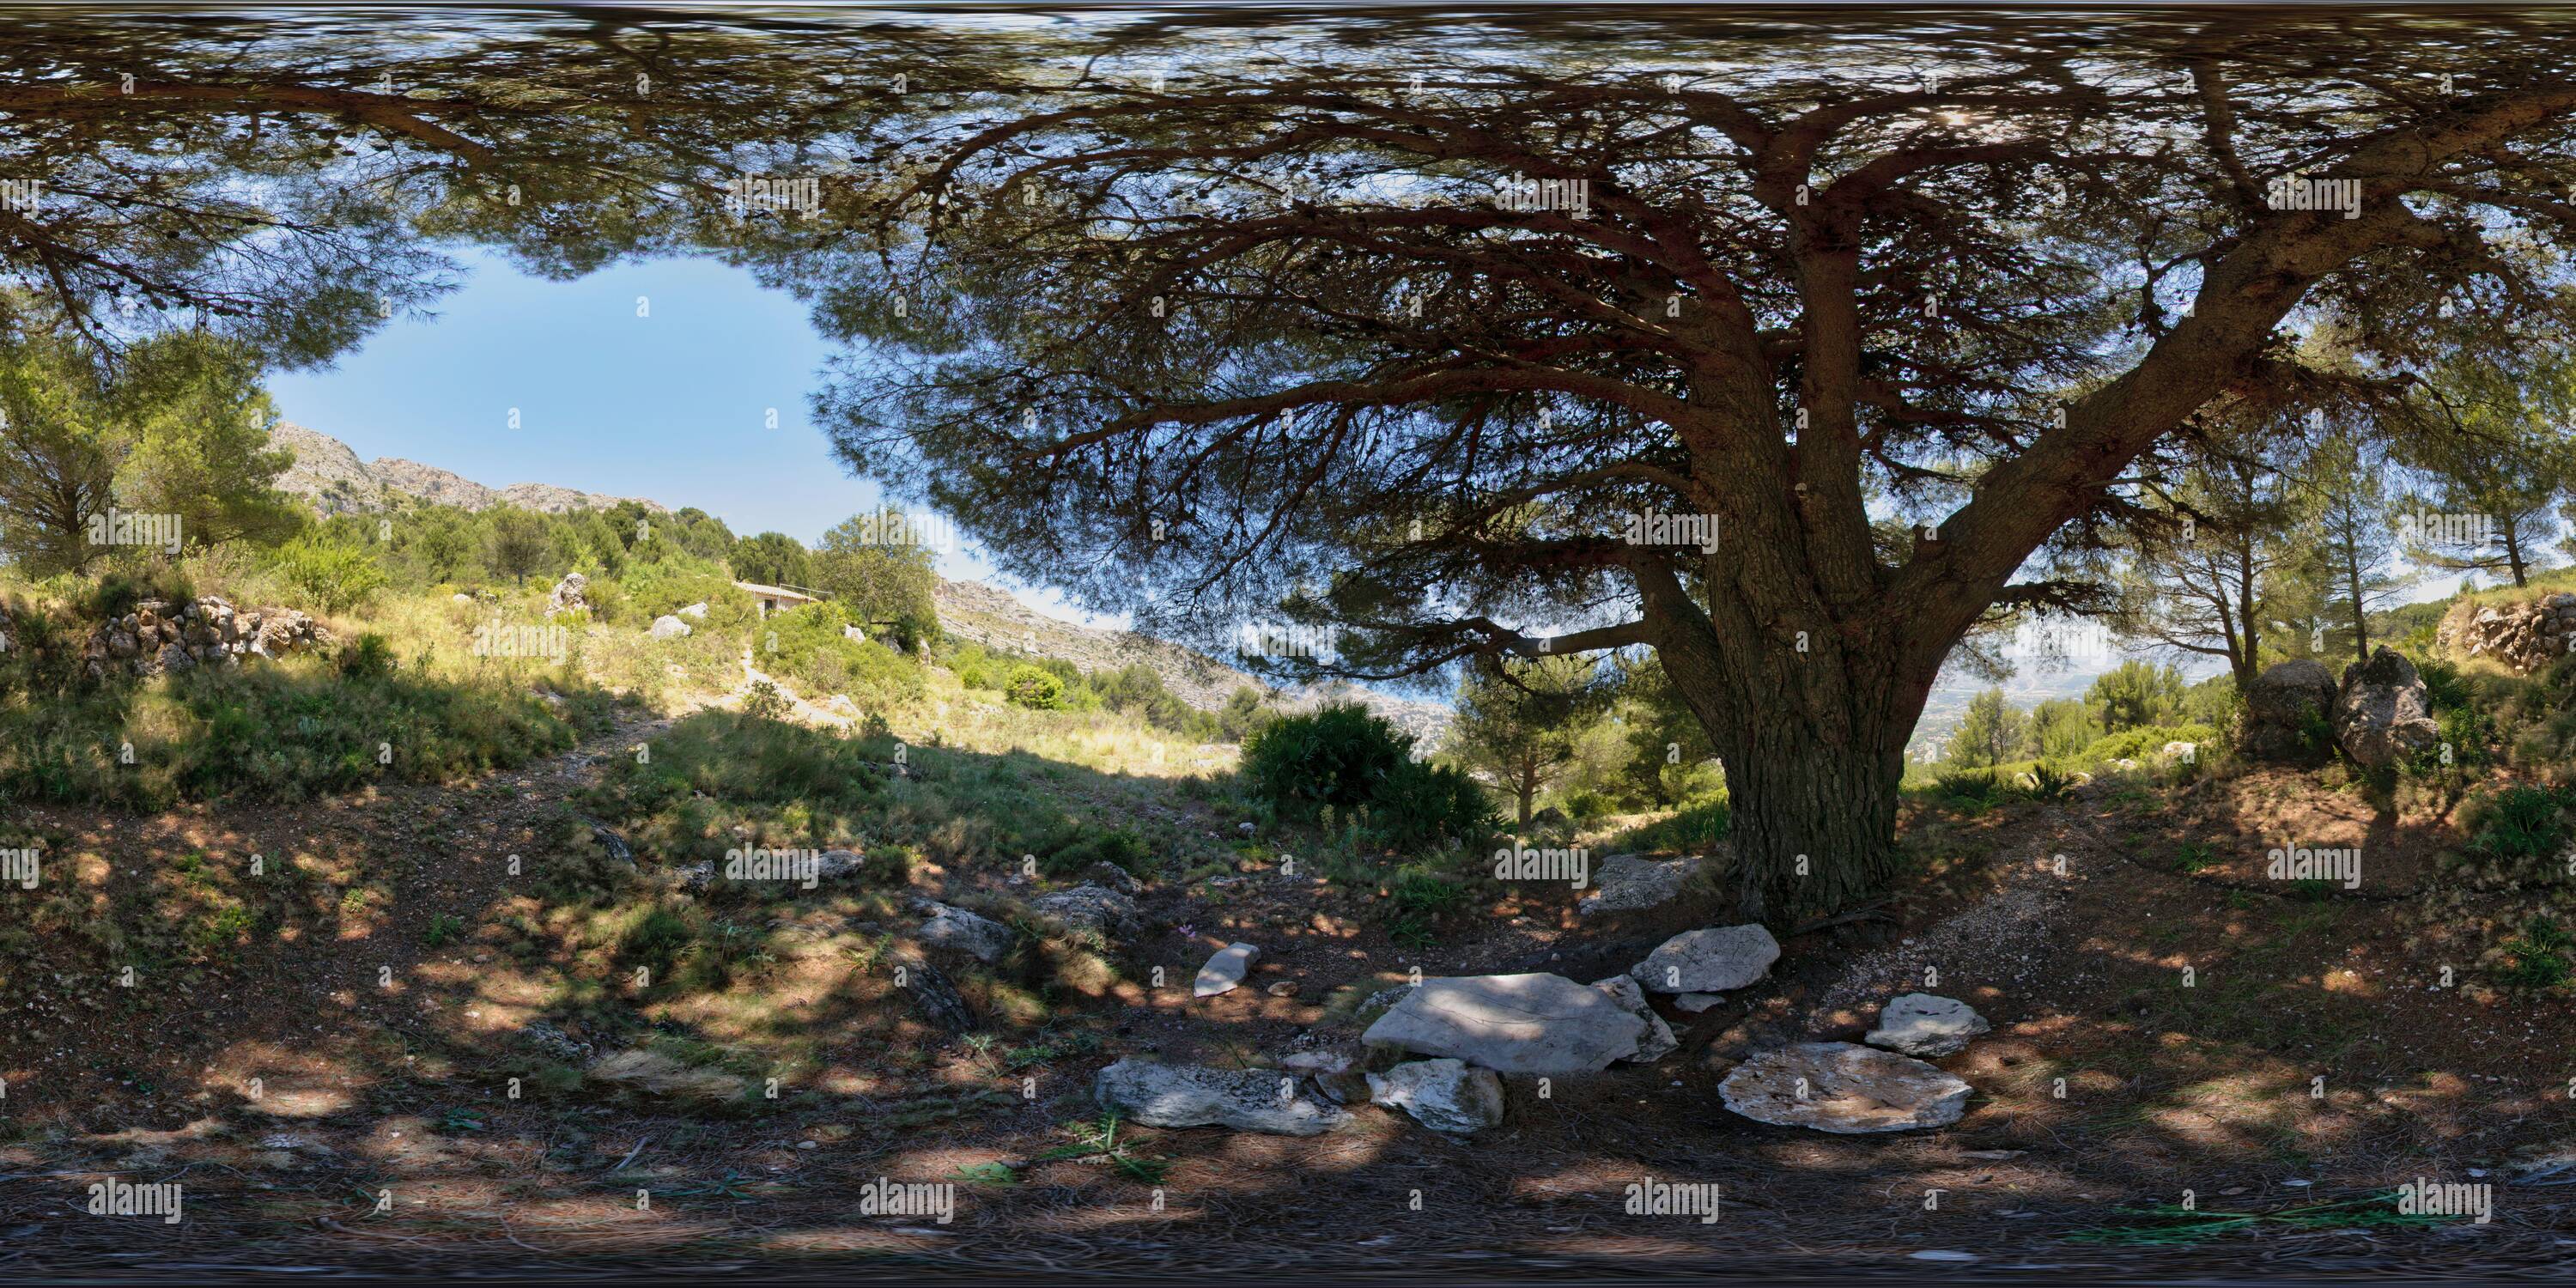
x=331, y=476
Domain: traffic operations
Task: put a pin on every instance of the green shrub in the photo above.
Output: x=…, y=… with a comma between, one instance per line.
x=1417, y=900
x=2047, y=782
x=1585, y=805
x=2520, y=822
x=764, y=701
x=368, y=657
x=1973, y=786
x=1068, y=846
x=2444, y=687
x=650, y=590
x=2466, y=730
x=1036, y=689
x=1343, y=758
x=715, y=770
x=1695, y=829
x=333, y=577
x=119, y=589
x=269, y=731
x=2145, y=743
x=2538, y=958
x=806, y=646
x=1334, y=756
x=657, y=939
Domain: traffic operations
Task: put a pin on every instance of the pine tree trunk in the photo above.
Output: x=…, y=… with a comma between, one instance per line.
x=1813, y=743
x=1813, y=827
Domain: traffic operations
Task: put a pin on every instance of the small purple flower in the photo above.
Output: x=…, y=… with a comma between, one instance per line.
x=1186, y=932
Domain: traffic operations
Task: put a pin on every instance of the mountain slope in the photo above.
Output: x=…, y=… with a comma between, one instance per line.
x=990, y=617
x=329, y=475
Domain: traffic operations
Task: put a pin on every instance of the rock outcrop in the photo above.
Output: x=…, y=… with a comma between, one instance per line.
x=158, y=637
x=2381, y=714
x=566, y=597
x=327, y=474
x=2523, y=637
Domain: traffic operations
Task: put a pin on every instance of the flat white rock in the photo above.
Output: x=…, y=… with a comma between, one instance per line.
x=1843, y=1088
x=1536, y=1023
x=1183, y=1095
x=1224, y=972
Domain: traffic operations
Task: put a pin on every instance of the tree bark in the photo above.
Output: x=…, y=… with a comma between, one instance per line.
x=1811, y=727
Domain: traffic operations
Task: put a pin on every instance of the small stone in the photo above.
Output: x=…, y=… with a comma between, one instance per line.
x=1178, y=1095
x=1443, y=1095
x=1920, y=1024
x=1658, y=1040
x=1709, y=961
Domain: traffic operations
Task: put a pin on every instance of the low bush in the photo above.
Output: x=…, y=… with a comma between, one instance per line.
x=1694, y=829
x=1417, y=899
x=2520, y=822
x=333, y=577
x=2537, y=958
x=2145, y=743
x=1067, y=846
x=1973, y=786
x=1344, y=759
x=807, y=647
x=1034, y=688
x=2444, y=687
x=118, y=590
x=790, y=785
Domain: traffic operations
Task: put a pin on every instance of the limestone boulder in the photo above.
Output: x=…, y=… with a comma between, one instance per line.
x=1633, y=882
x=1713, y=960
x=2381, y=713
x=2286, y=709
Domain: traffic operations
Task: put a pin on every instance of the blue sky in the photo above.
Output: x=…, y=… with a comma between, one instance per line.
x=673, y=406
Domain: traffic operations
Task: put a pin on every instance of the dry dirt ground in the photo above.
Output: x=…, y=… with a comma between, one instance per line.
x=2313, y=1062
